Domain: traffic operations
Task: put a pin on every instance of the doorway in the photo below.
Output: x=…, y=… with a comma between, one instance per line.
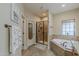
x=42, y=32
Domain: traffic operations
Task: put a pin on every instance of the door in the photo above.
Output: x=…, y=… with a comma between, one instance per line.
x=39, y=28
x=45, y=32
x=42, y=32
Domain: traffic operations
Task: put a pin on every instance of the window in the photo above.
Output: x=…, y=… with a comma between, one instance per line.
x=68, y=27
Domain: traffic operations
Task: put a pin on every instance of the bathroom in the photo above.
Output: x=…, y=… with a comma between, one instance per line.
x=39, y=29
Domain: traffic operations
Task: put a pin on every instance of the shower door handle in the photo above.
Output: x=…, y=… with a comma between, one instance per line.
x=9, y=37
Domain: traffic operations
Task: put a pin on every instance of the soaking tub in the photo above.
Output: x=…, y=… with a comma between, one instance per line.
x=63, y=47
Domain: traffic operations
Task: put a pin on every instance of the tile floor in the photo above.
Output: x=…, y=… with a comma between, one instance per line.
x=38, y=50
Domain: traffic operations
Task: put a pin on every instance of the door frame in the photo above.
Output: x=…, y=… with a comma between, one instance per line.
x=23, y=34
x=43, y=34
x=36, y=33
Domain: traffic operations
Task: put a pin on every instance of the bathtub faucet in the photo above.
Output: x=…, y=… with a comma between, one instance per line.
x=64, y=44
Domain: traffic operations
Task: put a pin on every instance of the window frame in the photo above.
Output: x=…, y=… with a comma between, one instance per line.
x=69, y=20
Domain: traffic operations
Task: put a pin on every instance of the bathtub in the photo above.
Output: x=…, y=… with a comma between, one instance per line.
x=63, y=47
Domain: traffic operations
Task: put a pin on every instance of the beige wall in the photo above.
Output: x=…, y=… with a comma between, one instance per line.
x=50, y=23
x=4, y=19
x=58, y=18
x=50, y=27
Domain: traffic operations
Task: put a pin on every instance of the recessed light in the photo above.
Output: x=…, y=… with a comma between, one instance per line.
x=63, y=5
x=44, y=14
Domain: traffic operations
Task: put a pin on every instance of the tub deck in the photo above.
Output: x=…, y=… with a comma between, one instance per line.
x=58, y=49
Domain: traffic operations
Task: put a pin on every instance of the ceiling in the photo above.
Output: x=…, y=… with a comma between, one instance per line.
x=54, y=8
